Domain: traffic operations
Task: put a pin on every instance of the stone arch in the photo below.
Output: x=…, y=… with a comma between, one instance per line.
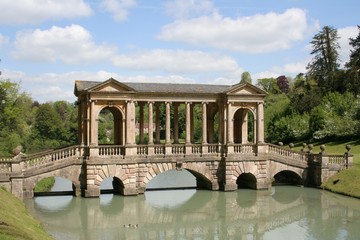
x=70, y=173
x=204, y=178
x=256, y=173
x=118, y=123
x=124, y=177
x=287, y=177
x=243, y=129
x=246, y=180
x=280, y=172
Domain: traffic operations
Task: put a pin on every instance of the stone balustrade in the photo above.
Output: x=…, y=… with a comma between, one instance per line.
x=281, y=151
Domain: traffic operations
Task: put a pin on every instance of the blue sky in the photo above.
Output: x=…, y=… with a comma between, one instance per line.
x=48, y=44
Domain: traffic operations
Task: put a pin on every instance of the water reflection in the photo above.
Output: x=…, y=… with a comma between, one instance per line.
x=168, y=199
x=279, y=213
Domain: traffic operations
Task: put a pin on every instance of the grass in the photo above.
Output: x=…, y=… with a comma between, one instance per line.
x=16, y=222
x=45, y=185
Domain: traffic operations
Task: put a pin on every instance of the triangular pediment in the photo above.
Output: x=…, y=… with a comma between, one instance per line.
x=111, y=85
x=245, y=89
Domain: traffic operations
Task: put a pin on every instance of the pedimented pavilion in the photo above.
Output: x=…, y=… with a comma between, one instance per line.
x=226, y=111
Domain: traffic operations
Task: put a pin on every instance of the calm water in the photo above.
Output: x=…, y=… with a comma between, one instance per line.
x=279, y=213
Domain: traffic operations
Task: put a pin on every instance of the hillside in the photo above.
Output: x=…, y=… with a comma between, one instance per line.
x=16, y=222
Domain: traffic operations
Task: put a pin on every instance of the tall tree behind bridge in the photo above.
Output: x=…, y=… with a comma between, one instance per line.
x=324, y=64
x=353, y=66
x=246, y=78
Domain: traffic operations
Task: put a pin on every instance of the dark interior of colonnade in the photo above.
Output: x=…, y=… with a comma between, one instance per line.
x=110, y=126
x=246, y=180
x=287, y=178
x=244, y=126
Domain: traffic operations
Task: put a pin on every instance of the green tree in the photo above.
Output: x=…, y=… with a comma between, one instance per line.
x=16, y=116
x=305, y=95
x=246, y=78
x=335, y=117
x=269, y=85
x=48, y=130
x=325, y=61
x=353, y=66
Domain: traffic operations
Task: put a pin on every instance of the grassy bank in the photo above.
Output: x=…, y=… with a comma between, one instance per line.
x=346, y=182
x=45, y=185
x=16, y=222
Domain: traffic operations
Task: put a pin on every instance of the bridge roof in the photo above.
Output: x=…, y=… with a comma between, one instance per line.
x=87, y=86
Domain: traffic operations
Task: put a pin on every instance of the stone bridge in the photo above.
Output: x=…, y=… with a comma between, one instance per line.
x=252, y=166
x=216, y=132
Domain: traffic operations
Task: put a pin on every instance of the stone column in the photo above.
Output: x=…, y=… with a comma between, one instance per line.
x=123, y=132
x=150, y=129
x=188, y=122
x=230, y=124
x=192, y=126
x=157, y=133
x=230, y=130
x=130, y=122
x=150, y=132
x=204, y=123
x=167, y=124
x=244, y=128
x=93, y=130
x=260, y=122
x=204, y=129
x=176, y=122
x=87, y=119
x=188, y=129
x=141, y=122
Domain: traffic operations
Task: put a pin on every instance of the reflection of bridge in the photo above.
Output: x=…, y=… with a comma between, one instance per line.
x=210, y=212
x=229, y=153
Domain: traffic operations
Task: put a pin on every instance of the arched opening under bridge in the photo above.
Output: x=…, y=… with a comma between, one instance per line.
x=246, y=180
x=287, y=177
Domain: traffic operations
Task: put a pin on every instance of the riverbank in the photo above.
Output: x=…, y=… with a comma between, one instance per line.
x=346, y=182
x=16, y=222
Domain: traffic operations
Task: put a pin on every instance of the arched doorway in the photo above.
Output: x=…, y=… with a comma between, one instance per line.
x=110, y=126
x=244, y=131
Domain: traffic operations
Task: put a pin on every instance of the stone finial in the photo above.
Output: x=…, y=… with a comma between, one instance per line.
x=280, y=144
x=348, y=147
x=322, y=148
x=16, y=151
x=291, y=145
x=303, y=147
x=310, y=147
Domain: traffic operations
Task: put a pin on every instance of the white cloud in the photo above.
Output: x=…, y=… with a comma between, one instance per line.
x=118, y=8
x=345, y=34
x=15, y=12
x=176, y=61
x=253, y=34
x=71, y=45
x=189, y=8
x=291, y=69
x=1, y=40
x=49, y=87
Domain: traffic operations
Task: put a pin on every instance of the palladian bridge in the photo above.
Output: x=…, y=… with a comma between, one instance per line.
x=154, y=130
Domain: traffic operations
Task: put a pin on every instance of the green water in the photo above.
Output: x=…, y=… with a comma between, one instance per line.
x=279, y=213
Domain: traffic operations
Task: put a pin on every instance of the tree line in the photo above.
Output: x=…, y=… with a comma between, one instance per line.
x=320, y=104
